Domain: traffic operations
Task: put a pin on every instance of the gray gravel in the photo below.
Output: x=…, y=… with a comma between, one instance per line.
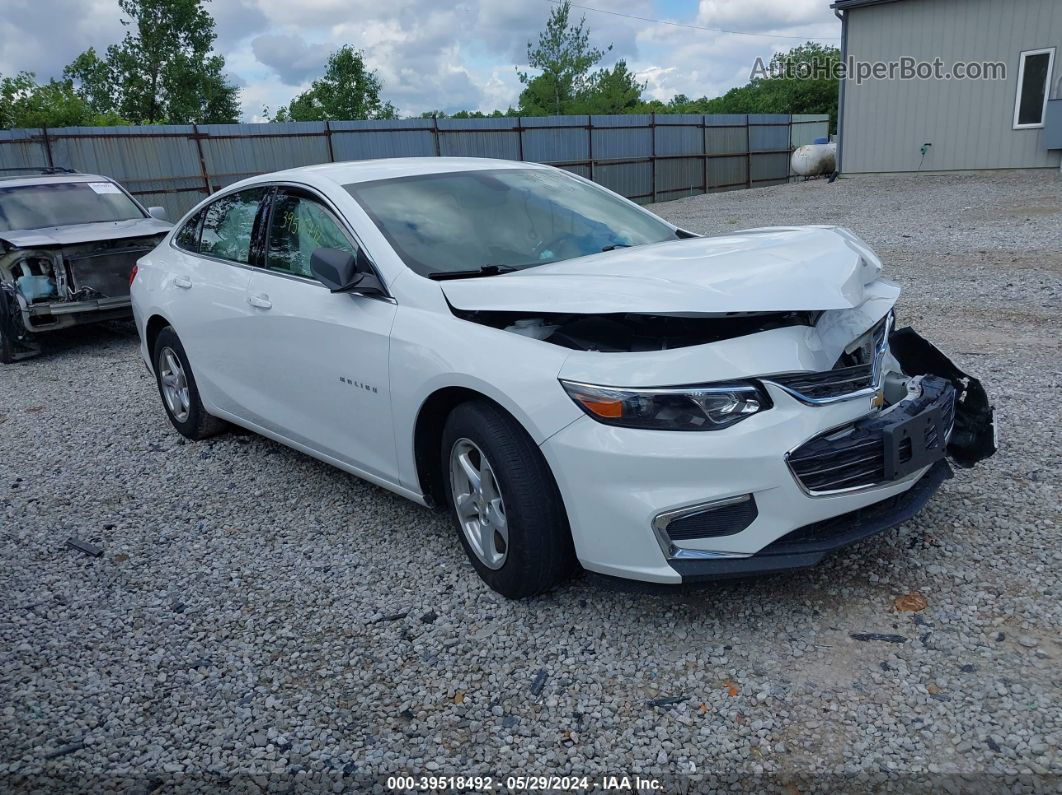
x=257, y=613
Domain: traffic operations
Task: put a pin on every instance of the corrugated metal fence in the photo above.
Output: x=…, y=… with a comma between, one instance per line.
x=650, y=157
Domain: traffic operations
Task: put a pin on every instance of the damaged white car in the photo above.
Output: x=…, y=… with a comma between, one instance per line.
x=577, y=381
x=68, y=243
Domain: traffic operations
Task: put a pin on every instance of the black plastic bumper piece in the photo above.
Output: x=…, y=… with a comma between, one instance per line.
x=973, y=437
x=808, y=545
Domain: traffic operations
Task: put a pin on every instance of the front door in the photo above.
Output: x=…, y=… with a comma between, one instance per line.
x=319, y=359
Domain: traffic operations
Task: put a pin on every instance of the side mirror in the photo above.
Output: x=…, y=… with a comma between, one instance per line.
x=343, y=272
x=159, y=213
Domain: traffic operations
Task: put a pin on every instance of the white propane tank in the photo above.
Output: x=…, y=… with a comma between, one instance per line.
x=815, y=159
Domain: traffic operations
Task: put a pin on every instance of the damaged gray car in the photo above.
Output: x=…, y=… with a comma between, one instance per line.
x=68, y=244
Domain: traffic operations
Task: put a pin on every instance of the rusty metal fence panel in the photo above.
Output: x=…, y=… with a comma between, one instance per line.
x=647, y=157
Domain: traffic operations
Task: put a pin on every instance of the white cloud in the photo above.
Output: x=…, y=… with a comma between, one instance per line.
x=289, y=55
x=431, y=54
x=762, y=15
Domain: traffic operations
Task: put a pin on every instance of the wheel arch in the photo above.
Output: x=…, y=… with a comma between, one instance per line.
x=156, y=323
x=428, y=430
x=427, y=436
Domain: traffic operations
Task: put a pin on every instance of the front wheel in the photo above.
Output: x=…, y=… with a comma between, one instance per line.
x=504, y=502
x=13, y=334
x=177, y=388
x=7, y=351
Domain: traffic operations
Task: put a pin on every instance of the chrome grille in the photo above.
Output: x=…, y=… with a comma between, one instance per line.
x=858, y=372
x=832, y=383
x=855, y=456
x=824, y=465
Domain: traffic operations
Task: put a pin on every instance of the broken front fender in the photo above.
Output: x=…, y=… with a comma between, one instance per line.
x=973, y=437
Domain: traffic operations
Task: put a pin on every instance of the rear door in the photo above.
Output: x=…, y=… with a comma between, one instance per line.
x=209, y=288
x=318, y=359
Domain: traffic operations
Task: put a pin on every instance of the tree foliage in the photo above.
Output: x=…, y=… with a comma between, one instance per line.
x=347, y=90
x=784, y=90
x=567, y=83
x=26, y=103
x=614, y=90
x=164, y=71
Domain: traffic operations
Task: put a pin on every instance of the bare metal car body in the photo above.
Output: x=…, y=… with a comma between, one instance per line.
x=57, y=275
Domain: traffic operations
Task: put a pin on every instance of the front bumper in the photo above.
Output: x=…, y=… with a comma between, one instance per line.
x=808, y=545
x=617, y=482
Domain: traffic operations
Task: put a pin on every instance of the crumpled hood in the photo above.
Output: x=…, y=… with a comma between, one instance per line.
x=774, y=269
x=84, y=233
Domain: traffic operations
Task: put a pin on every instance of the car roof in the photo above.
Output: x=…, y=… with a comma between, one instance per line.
x=23, y=180
x=346, y=173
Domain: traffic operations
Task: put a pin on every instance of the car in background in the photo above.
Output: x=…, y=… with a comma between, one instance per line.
x=579, y=382
x=68, y=243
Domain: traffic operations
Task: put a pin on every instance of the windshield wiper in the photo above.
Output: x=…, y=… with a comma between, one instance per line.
x=486, y=270
x=612, y=246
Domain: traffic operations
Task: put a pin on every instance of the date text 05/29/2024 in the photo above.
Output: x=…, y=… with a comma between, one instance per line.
x=443, y=783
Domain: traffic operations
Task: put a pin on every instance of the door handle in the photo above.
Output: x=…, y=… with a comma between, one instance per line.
x=182, y=281
x=261, y=301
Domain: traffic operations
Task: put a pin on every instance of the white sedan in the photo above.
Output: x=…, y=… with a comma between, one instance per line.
x=577, y=381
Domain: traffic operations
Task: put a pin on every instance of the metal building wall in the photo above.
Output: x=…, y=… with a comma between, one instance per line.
x=644, y=157
x=968, y=122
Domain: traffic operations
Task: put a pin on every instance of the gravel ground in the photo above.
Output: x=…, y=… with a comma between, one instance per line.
x=256, y=613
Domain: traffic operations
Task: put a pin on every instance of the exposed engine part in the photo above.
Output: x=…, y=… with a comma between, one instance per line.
x=629, y=332
x=86, y=294
x=973, y=437
x=103, y=267
x=534, y=327
x=33, y=273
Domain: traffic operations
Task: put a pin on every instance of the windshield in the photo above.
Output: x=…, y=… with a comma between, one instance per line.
x=501, y=219
x=63, y=204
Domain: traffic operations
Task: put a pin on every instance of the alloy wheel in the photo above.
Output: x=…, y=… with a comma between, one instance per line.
x=174, y=385
x=479, y=503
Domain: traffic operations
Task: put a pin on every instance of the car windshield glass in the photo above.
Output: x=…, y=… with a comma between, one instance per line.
x=63, y=204
x=500, y=219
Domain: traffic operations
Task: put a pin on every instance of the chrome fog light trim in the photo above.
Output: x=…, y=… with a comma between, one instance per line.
x=671, y=550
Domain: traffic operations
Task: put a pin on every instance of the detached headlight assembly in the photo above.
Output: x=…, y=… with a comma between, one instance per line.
x=707, y=407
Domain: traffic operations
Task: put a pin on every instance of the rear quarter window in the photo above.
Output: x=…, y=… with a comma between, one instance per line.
x=188, y=236
x=228, y=225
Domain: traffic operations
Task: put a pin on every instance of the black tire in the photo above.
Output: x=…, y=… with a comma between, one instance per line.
x=7, y=353
x=11, y=329
x=198, y=424
x=539, y=553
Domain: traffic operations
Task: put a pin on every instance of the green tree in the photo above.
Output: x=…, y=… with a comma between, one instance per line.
x=565, y=58
x=612, y=90
x=347, y=90
x=802, y=80
x=25, y=103
x=165, y=69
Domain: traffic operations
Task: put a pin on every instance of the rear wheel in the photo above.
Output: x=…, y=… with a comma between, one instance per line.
x=504, y=502
x=180, y=396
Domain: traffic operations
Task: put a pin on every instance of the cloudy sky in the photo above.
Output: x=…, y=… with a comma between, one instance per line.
x=434, y=54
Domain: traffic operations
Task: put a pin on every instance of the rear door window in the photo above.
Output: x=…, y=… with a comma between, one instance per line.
x=228, y=225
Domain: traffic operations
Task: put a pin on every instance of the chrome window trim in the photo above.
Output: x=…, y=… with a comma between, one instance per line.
x=877, y=375
x=344, y=225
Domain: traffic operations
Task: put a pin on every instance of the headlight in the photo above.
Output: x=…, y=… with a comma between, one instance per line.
x=707, y=407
